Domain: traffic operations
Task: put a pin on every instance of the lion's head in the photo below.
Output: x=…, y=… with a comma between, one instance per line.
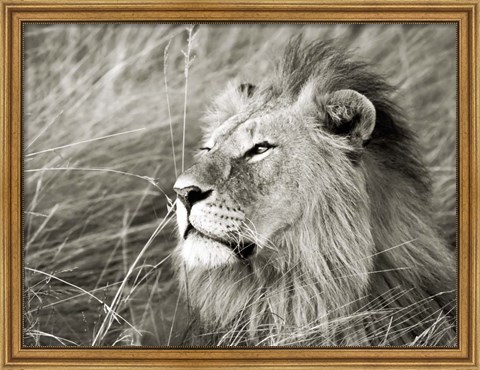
x=304, y=186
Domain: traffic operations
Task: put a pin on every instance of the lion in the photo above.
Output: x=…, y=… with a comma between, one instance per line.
x=306, y=218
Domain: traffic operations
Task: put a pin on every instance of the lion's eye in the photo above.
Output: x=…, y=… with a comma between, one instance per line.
x=202, y=151
x=259, y=151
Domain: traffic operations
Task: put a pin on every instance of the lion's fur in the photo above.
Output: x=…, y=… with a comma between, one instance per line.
x=364, y=265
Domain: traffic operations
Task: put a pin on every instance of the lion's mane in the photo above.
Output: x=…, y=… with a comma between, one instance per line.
x=401, y=293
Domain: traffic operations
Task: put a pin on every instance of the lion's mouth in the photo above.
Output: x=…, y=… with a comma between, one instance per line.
x=243, y=250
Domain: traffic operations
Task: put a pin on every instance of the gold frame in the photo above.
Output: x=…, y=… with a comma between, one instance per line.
x=464, y=12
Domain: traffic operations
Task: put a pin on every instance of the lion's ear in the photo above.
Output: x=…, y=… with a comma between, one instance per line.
x=350, y=114
x=247, y=89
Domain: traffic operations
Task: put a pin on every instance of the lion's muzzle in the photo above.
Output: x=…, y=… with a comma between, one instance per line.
x=210, y=226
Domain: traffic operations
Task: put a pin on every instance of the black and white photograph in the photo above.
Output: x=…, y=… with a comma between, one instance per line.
x=239, y=185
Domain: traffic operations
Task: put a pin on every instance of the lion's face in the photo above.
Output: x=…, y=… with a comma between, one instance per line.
x=249, y=183
x=241, y=191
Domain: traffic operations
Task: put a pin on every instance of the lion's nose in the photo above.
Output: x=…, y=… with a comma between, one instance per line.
x=189, y=194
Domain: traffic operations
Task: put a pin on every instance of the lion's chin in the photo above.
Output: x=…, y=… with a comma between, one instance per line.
x=198, y=251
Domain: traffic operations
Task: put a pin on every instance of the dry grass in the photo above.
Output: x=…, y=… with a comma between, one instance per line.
x=112, y=114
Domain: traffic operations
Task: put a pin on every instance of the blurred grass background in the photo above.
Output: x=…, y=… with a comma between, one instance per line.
x=99, y=167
